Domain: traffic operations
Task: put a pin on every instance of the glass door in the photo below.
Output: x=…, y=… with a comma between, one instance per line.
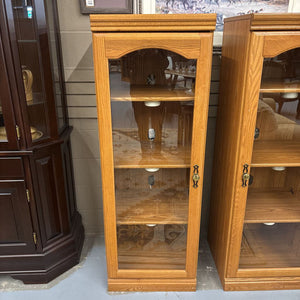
x=152, y=103
x=271, y=234
x=8, y=136
x=33, y=29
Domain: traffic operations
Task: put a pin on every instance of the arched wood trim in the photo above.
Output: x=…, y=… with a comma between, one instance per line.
x=186, y=44
x=275, y=45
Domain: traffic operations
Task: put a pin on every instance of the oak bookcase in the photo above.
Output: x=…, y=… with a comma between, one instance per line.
x=152, y=83
x=254, y=230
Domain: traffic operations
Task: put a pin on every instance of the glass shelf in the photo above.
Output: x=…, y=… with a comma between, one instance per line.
x=146, y=93
x=163, y=206
x=274, y=246
x=276, y=153
x=272, y=206
x=156, y=247
x=275, y=86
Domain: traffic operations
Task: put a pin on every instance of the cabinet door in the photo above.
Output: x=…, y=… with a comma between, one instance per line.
x=15, y=222
x=8, y=136
x=152, y=93
x=33, y=41
x=270, y=239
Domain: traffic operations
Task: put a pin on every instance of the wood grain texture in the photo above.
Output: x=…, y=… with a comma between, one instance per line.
x=148, y=23
x=279, y=87
x=151, y=285
x=260, y=22
x=233, y=76
x=130, y=152
x=278, y=43
x=185, y=44
x=275, y=153
x=113, y=45
x=261, y=283
x=106, y=153
x=273, y=206
x=244, y=49
x=162, y=206
x=146, y=93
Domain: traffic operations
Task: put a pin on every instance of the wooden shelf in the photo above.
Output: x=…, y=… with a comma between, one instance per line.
x=274, y=246
x=278, y=207
x=155, y=206
x=276, y=153
x=129, y=152
x=279, y=87
x=178, y=73
x=159, y=247
x=150, y=93
x=151, y=260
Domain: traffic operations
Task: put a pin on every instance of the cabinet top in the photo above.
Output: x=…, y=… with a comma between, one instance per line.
x=146, y=23
x=287, y=21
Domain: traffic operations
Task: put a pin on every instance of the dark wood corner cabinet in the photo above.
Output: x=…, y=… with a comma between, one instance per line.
x=254, y=229
x=152, y=82
x=41, y=233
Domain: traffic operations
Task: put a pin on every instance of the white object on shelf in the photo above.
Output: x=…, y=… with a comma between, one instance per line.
x=269, y=224
x=278, y=168
x=152, y=170
x=152, y=103
x=292, y=95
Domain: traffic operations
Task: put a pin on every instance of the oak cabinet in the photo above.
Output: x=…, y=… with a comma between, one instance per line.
x=254, y=231
x=152, y=84
x=41, y=232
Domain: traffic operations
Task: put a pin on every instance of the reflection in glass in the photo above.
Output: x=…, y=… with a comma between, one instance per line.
x=270, y=246
x=278, y=116
x=152, y=103
x=271, y=235
x=29, y=54
x=3, y=136
x=57, y=80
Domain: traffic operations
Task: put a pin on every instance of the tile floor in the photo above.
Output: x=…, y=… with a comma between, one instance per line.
x=88, y=281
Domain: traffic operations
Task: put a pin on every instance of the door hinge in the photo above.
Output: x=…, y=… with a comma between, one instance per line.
x=18, y=132
x=34, y=238
x=28, y=195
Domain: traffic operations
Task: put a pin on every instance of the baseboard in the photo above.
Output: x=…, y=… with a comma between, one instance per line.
x=256, y=284
x=151, y=285
x=44, y=267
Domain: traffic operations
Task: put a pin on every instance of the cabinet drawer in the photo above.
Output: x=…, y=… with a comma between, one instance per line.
x=11, y=168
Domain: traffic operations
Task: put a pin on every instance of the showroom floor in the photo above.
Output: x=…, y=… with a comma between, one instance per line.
x=88, y=281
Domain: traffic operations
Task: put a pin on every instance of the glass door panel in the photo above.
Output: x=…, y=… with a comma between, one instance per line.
x=3, y=136
x=55, y=62
x=152, y=102
x=271, y=234
x=31, y=64
x=277, y=135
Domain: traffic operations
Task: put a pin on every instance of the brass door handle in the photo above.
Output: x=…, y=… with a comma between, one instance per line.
x=196, y=176
x=245, y=176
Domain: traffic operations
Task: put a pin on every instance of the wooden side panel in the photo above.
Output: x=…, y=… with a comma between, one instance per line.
x=47, y=189
x=106, y=153
x=50, y=194
x=227, y=144
x=15, y=223
x=247, y=129
x=69, y=178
